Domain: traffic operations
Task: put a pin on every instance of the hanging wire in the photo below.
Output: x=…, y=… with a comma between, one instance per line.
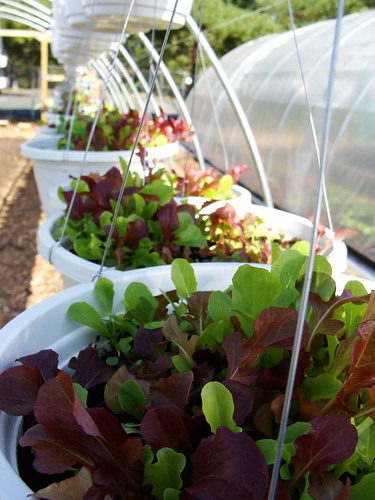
x=311, y=119
x=310, y=262
x=144, y=165
x=95, y=121
x=122, y=189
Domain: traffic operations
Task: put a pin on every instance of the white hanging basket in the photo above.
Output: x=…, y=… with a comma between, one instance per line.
x=110, y=15
x=52, y=166
x=240, y=203
x=45, y=131
x=3, y=60
x=31, y=332
x=75, y=269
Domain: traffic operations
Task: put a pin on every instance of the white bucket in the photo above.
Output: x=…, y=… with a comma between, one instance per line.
x=53, y=167
x=31, y=332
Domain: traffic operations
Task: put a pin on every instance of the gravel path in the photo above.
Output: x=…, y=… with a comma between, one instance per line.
x=25, y=278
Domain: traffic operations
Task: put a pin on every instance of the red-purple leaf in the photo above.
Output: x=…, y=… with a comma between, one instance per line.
x=135, y=231
x=51, y=456
x=164, y=427
x=242, y=398
x=362, y=373
x=331, y=440
x=169, y=222
x=236, y=352
x=90, y=369
x=275, y=327
x=69, y=434
x=46, y=362
x=326, y=485
x=171, y=392
x=19, y=387
x=230, y=463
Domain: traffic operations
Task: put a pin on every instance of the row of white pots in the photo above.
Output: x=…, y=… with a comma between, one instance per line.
x=84, y=29
x=53, y=167
x=76, y=270
x=110, y=15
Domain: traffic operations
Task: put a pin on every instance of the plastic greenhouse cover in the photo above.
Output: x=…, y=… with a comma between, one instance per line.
x=266, y=77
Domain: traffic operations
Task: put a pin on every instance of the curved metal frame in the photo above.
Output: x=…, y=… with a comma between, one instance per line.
x=201, y=39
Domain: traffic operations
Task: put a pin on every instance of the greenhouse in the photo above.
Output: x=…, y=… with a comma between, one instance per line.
x=265, y=75
x=187, y=249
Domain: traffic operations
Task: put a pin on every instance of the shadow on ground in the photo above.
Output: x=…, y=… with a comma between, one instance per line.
x=18, y=234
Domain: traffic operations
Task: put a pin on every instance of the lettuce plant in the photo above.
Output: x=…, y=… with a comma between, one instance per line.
x=117, y=131
x=190, y=181
x=181, y=394
x=152, y=229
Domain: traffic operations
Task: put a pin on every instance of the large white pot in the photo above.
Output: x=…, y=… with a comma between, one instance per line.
x=110, y=15
x=240, y=203
x=47, y=326
x=52, y=167
x=75, y=269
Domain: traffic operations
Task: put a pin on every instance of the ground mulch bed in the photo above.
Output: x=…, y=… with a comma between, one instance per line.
x=25, y=278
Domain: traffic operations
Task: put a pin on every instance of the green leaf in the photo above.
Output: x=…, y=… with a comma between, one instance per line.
x=254, y=289
x=105, y=219
x=268, y=448
x=354, y=312
x=186, y=345
x=104, y=292
x=171, y=494
x=89, y=249
x=365, y=488
x=324, y=386
x=188, y=234
x=183, y=278
x=82, y=393
x=366, y=441
x=139, y=301
x=83, y=313
x=159, y=189
x=165, y=473
x=149, y=210
x=215, y=333
x=295, y=430
x=218, y=406
x=302, y=247
x=130, y=397
x=287, y=269
x=220, y=306
x=121, y=226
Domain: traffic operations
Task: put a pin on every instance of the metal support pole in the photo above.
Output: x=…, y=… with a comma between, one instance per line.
x=178, y=96
x=130, y=61
x=202, y=40
x=44, y=70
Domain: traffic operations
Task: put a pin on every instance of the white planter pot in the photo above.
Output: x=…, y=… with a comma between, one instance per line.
x=295, y=225
x=52, y=167
x=110, y=15
x=3, y=61
x=45, y=131
x=53, y=118
x=240, y=203
x=75, y=269
x=31, y=332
